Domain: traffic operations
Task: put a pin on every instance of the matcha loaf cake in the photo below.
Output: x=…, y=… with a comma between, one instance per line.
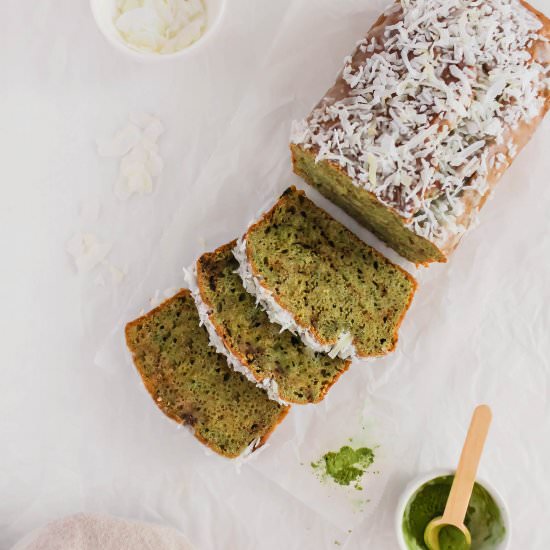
x=277, y=361
x=428, y=112
x=316, y=278
x=193, y=385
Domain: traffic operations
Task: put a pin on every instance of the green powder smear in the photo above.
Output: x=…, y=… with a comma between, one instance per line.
x=345, y=466
x=483, y=518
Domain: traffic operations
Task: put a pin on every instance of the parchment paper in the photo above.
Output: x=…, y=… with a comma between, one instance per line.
x=478, y=329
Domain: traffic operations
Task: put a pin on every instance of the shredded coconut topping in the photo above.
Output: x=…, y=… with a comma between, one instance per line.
x=422, y=101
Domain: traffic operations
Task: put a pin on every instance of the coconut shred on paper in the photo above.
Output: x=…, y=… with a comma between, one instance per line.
x=89, y=252
x=136, y=146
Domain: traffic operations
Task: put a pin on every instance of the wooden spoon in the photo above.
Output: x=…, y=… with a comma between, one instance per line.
x=463, y=482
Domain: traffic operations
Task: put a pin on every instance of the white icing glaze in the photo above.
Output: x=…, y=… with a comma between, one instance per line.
x=421, y=111
x=343, y=348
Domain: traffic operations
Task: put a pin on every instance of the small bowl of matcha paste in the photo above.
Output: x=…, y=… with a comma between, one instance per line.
x=425, y=498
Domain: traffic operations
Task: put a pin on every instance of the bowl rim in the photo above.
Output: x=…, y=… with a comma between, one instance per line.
x=120, y=45
x=415, y=483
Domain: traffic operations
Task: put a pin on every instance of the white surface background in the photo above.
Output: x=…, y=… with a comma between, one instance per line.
x=77, y=431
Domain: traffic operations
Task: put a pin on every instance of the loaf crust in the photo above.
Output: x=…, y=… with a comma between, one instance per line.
x=306, y=152
x=152, y=384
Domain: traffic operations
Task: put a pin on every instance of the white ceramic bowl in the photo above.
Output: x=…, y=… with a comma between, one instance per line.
x=417, y=482
x=104, y=12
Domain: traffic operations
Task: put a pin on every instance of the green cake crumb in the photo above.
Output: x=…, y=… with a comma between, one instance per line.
x=346, y=466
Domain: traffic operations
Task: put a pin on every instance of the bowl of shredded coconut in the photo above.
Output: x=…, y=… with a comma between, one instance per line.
x=157, y=29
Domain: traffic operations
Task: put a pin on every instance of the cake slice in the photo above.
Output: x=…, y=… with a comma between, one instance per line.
x=193, y=385
x=316, y=278
x=277, y=361
x=426, y=115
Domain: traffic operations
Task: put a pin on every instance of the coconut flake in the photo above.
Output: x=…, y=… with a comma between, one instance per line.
x=344, y=345
x=124, y=140
x=160, y=26
x=87, y=251
x=140, y=163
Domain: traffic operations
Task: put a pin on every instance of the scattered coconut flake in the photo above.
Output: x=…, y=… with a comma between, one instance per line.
x=117, y=274
x=120, y=143
x=141, y=162
x=87, y=251
x=160, y=26
x=155, y=300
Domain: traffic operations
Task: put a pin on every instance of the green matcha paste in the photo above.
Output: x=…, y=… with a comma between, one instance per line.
x=451, y=538
x=345, y=466
x=483, y=518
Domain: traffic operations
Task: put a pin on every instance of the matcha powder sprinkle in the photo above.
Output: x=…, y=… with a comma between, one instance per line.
x=345, y=466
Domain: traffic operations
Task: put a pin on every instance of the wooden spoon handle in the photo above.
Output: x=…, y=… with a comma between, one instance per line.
x=463, y=483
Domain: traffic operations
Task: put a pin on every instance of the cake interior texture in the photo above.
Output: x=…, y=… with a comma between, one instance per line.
x=302, y=375
x=326, y=277
x=362, y=205
x=193, y=385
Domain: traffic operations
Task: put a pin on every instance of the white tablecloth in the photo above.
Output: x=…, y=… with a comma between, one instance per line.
x=77, y=431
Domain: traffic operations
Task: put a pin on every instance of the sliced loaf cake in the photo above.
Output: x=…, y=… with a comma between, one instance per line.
x=316, y=278
x=278, y=361
x=193, y=385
